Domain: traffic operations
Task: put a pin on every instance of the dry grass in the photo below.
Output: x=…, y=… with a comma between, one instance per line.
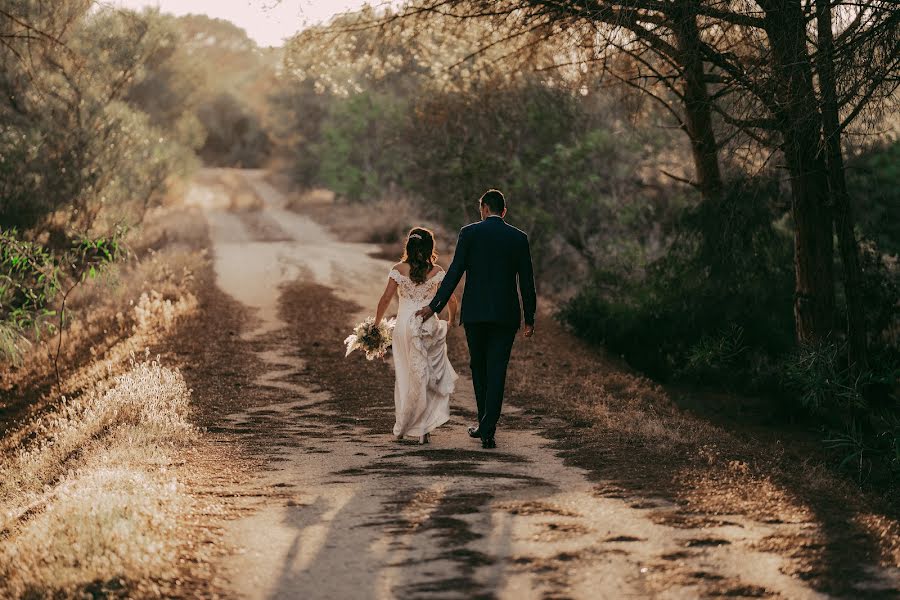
x=148, y=403
x=89, y=498
x=110, y=316
x=90, y=486
x=629, y=406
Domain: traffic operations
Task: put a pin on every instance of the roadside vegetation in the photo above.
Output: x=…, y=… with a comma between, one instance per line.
x=94, y=495
x=89, y=498
x=103, y=120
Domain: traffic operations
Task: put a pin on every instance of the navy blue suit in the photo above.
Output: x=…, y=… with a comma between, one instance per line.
x=496, y=260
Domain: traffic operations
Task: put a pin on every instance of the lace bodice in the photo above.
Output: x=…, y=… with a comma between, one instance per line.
x=415, y=295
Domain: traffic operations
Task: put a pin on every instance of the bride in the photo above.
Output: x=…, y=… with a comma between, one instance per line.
x=424, y=376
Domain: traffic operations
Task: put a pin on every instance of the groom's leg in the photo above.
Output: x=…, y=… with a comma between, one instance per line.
x=477, y=340
x=499, y=346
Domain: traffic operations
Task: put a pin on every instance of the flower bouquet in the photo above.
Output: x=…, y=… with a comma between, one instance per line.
x=374, y=339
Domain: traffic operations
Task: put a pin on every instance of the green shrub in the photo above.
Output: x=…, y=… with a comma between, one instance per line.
x=859, y=411
x=823, y=384
x=33, y=277
x=361, y=154
x=715, y=309
x=881, y=291
x=873, y=178
x=81, y=155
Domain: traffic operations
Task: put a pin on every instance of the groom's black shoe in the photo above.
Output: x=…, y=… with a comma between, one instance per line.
x=488, y=443
x=474, y=433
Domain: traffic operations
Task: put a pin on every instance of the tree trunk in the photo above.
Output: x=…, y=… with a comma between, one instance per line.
x=813, y=244
x=847, y=243
x=796, y=112
x=697, y=111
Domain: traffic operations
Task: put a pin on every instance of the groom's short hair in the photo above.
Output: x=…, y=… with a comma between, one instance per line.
x=494, y=200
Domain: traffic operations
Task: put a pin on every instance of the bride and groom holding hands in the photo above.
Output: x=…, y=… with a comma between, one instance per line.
x=496, y=259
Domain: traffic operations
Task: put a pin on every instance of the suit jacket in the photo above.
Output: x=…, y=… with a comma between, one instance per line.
x=496, y=259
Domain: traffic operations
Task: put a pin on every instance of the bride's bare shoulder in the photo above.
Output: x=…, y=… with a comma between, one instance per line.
x=402, y=268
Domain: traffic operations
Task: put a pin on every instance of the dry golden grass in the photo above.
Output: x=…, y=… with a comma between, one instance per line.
x=106, y=311
x=625, y=404
x=89, y=486
x=89, y=499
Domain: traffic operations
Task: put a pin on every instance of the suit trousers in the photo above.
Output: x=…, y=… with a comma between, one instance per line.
x=490, y=345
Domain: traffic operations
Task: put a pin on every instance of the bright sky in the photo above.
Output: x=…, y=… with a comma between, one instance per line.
x=268, y=22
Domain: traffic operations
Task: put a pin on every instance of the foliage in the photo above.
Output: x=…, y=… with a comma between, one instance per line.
x=360, y=49
x=76, y=154
x=207, y=83
x=84, y=148
x=33, y=277
x=29, y=280
x=715, y=309
x=235, y=135
x=860, y=410
x=231, y=79
x=881, y=288
x=717, y=357
x=396, y=128
x=359, y=152
x=874, y=179
x=822, y=384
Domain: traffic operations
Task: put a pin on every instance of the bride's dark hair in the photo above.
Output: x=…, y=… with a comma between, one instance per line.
x=419, y=253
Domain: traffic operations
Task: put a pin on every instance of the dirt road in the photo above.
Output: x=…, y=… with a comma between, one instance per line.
x=357, y=515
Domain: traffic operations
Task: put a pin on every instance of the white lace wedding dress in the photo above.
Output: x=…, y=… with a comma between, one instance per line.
x=424, y=376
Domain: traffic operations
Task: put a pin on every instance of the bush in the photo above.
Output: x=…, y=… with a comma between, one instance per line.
x=874, y=180
x=860, y=411
x=32, y=278
x=881, y=290
x=83, y=158
x=360, y=153
x=235, y=134
x=82, y=154
x=716, y=309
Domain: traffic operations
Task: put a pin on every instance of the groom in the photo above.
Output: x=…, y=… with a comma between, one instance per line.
x=496, y=258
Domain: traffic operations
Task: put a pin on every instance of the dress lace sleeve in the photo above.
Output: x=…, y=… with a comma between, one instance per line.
x=396, y=276
x=435, y=282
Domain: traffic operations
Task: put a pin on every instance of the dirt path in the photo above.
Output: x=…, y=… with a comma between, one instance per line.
x=352, y=514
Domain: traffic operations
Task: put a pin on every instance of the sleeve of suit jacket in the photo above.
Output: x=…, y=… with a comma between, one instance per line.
x=526, y=284
x=454, y=274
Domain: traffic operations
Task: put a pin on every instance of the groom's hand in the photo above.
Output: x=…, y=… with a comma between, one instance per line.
x=426, y=313
x=529, y=331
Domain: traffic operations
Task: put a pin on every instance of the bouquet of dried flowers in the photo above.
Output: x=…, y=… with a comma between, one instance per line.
x=372, y=338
